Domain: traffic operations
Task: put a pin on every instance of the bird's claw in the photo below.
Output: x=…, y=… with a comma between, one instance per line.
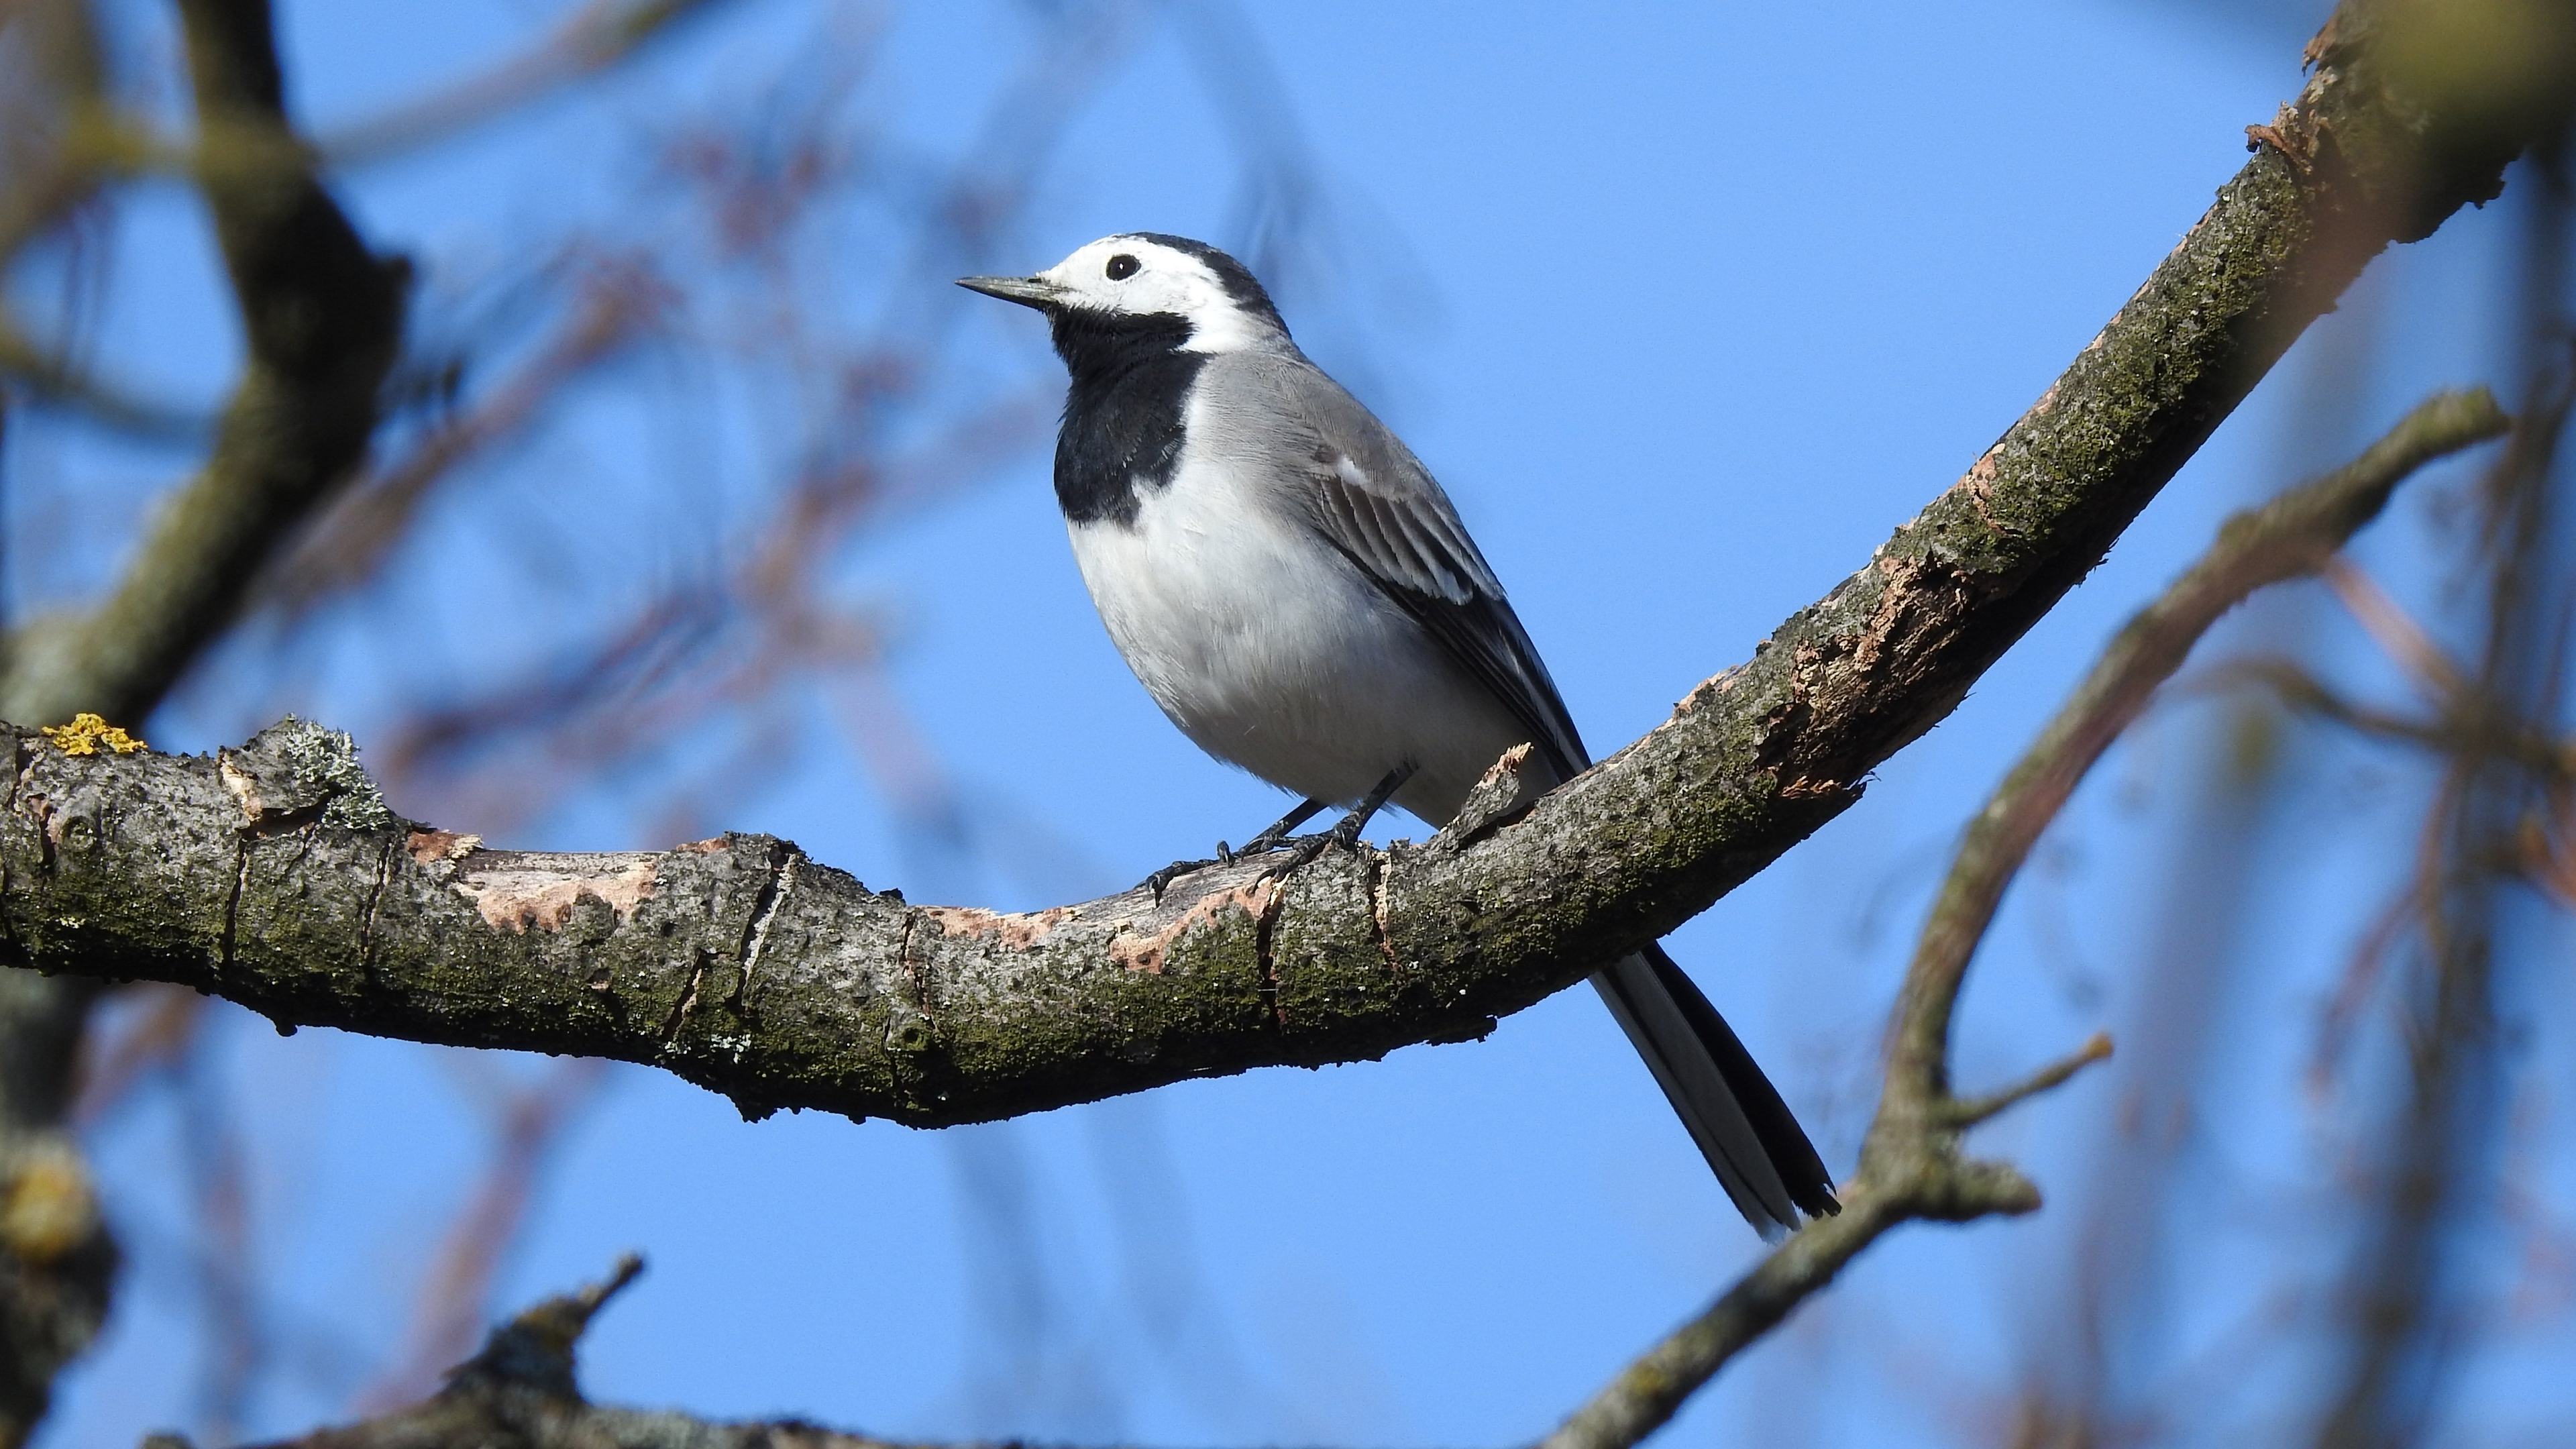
x=1161, y=880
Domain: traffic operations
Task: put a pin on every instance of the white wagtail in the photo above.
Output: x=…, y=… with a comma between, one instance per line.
x=1299, y=596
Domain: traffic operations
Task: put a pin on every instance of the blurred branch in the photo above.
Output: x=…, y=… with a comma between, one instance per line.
x=98, y=142
x=161, y=1023
x=348, y=543
x=322, y=317
x=2470, y=724
x=592, y=39
x=1912, y=1167
x=701, y=644
x=531, y=1124
x=2396, y=632
x=223, y=1262
x=60, y=381
x=2404, y=1294
x=49, y=170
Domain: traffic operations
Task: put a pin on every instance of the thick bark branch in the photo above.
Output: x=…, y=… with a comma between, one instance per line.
x=276, y=880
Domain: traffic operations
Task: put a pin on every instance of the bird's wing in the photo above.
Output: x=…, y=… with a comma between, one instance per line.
x=1375, y=502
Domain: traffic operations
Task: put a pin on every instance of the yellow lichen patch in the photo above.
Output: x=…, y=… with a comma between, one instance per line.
x=48, y=1208
x=87, y=732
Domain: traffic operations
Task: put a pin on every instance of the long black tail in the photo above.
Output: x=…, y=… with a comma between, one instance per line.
x=1762, y=1156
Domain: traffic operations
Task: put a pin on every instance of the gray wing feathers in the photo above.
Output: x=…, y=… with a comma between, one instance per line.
x=1349, y=473
x=1699, y=1093
x=1359, y=486
x=1398, y=540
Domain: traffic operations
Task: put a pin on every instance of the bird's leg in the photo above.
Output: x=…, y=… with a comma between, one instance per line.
x=1346, y=831
x=1262, y=844
x=1277, y=835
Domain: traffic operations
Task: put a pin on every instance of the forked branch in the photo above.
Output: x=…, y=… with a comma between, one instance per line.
x=1912, y=1166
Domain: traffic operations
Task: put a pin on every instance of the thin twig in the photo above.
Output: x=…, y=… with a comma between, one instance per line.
x=2398, y=634
x=529, y=1130
x=592, y=39
x=1969, y=1111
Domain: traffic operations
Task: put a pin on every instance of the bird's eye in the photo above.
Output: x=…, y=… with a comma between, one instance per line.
x=1121, y=267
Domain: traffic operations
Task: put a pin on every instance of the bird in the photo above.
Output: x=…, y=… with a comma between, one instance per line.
x=1299, y=595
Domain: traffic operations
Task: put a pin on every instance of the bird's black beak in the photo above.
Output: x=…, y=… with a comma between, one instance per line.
x=1035, y=292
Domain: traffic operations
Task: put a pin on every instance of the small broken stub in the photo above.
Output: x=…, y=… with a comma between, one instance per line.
x=517, y=900
x=294, y=770
x=1504, y=795
x=1709, y=689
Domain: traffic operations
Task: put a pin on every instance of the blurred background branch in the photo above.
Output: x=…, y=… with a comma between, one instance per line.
x=1912, y=1167
x=323, y=317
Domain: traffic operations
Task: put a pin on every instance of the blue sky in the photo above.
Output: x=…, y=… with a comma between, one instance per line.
x=1688, y=306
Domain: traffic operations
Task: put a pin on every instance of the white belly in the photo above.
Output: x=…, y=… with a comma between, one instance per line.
x=1273, y=652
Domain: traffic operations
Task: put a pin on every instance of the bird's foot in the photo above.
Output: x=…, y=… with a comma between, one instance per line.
x=1345, y=832
x=1264, y=843
x=1304, y=850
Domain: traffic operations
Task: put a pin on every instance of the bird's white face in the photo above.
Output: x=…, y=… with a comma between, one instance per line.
x=1136, y=277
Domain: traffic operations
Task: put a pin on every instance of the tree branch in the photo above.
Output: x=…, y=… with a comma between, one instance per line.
x=1911, y=1165
x=592, y=39
x=274, y=875
x=519, y=1393
x=744, y=966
